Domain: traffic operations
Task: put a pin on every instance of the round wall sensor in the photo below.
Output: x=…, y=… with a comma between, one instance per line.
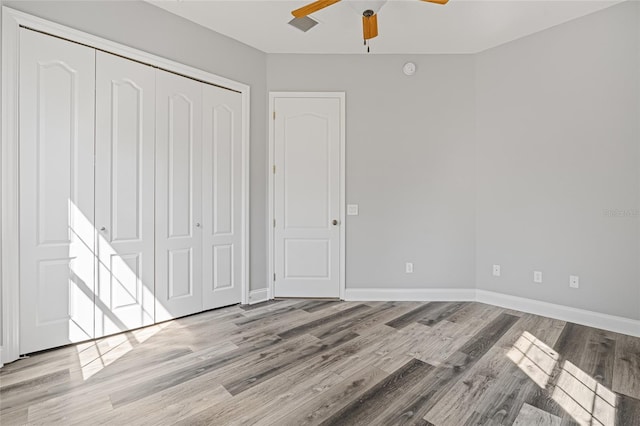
x=409, y=68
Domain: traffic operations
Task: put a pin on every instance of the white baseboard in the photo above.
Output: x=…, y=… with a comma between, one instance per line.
x=257, y=296
x=409, y=294
x=565, y=313
x=1, y=363
x=613, y=323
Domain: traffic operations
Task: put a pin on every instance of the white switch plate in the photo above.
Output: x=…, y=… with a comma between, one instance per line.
x=408, y=268
x=496, y=270
x=352, y=210
x=537, y=276
x=574, y=281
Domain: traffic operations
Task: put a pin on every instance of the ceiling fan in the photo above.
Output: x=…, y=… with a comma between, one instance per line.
x=369, y=15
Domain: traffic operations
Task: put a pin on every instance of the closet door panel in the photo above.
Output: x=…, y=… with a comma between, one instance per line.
x=125, y=146
x=178, y=196
x=222, y=196
x=56, y=192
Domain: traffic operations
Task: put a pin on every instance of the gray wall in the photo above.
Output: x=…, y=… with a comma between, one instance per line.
x=410, y=163
x=516, y=156
x=558, y=147
x=555, y=143
x=148, y=28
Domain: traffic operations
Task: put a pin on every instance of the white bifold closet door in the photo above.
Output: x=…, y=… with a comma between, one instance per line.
x=130, y=194
x=56, y=192
x=198, y=196
x=125, y=145
x=178, y=196
x=221, y=199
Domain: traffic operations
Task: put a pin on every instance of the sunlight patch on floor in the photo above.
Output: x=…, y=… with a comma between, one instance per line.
x=586, y=400
x=94, y=356
x=145, y=333
x=580, y=395
x=102, y=353
x=534, y=357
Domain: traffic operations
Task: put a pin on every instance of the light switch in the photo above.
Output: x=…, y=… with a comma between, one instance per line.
x=352, y=210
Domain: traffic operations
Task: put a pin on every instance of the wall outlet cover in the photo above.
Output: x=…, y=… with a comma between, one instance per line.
x=574, y=281
x=408, y=268
x=496, y=270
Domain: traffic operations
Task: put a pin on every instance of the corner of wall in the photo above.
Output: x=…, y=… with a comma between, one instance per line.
x=475, y=171
x=545, y=175
x=258, y=296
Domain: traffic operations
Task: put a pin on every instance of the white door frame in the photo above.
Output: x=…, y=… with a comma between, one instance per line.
x=271, y=190
x=12, y=20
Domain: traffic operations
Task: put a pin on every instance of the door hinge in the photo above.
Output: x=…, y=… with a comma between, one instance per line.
x=274, y=276
x=274, y=223
x=274, y=169
x=274, y=115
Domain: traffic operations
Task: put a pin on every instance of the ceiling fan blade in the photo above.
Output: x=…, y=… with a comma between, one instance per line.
x=370, y=26
x=437, y=1
x=313, y=7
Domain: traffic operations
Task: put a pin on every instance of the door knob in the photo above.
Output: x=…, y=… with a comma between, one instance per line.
x=198, y=225
x=103, y=229
x=335, y=222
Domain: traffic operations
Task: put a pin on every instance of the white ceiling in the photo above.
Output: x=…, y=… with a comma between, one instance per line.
x=406, y=26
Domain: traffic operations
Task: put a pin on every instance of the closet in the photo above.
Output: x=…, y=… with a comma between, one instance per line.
x=131, y=194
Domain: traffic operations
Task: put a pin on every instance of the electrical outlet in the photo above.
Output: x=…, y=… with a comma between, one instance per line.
x=352, y=210
x=574, y=281
x=496, y=270
x=537, y=276
x=408, y=268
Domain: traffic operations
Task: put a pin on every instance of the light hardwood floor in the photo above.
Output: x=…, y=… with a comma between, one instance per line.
x=304, y=362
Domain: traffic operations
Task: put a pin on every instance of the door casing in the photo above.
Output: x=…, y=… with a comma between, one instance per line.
x=271, y=182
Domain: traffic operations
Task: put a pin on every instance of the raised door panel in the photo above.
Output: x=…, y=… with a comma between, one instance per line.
x=57, y=231
x=307, y=197
x=305, y=152
x=125, y=149
x=178, y=196
x=222, y=197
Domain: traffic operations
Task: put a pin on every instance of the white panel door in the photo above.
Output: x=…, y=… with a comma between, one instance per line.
x=178, y=196
x=125, y=145
x=56, y=192
x=221, y=197
x=307, y=197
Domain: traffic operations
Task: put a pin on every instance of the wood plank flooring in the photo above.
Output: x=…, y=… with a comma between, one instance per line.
x=319, y=362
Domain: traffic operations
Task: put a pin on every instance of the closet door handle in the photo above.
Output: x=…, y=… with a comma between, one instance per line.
x=103, y=229
x=198, y=225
